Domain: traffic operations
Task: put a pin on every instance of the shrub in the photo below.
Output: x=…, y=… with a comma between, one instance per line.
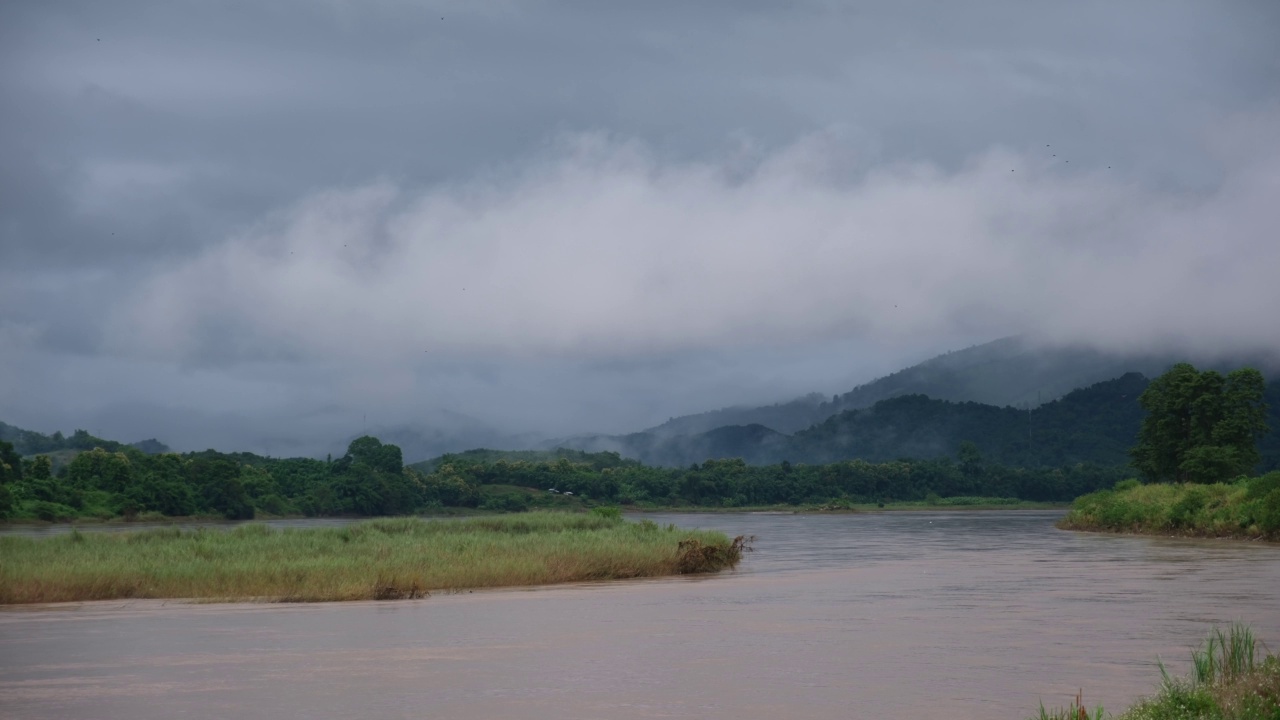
x=1183, y=512
x=607, y=512
x=1269, y=517
x=52, y=512
x=1261, y=487
x=506, y=502
x=274, y=505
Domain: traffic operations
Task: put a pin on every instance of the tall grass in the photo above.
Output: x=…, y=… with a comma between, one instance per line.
x=377, y=559
x=1225, y=656
x=1228, y=682
x=1248, y=508
x=1075, y=711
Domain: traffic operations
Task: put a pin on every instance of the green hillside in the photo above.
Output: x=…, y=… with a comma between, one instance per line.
x=62, y=448
x=1096, y=425
x=1007, y=372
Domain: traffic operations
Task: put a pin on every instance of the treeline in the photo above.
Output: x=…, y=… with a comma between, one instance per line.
x=371, y=479
x=734, y=483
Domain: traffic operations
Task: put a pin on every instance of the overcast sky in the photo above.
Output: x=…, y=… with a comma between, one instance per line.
x=270, y=225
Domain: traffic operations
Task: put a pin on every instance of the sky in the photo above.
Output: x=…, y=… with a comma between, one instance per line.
x=274, y=225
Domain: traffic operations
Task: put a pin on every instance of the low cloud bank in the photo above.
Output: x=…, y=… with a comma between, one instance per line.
x=602, y=249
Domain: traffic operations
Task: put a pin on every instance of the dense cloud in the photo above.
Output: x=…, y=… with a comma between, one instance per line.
x=607, y=252
x=297, y=220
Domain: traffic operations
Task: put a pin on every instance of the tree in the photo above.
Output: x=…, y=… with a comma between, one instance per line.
x=10, y=464
x=98, y=469
x=41, y=468
x=1200, y=426
x=372, y=452
x=218, y=483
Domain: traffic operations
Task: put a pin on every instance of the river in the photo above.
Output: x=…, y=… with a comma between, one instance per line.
x=885, y=615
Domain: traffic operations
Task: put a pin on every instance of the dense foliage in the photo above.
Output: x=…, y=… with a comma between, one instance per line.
x=1246, y=508
x=1201, y=426
x=372, y=480
x=734, y=483
x=369, y=480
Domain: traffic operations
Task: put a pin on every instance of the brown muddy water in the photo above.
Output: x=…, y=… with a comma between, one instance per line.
x=892, y=615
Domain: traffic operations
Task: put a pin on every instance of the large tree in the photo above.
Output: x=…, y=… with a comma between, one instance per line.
x=1200, y=426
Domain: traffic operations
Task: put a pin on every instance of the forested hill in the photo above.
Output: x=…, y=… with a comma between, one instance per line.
x=1097, y=424
x=30, y=442
x=1010, y=371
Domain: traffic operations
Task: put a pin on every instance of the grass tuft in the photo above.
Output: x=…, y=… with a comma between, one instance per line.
x=1228, y=682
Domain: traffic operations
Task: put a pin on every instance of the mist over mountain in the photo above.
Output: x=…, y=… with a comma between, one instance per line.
x=422, y=441
x=1094, y=425
x=1078, y=403
x=1009, y=371
x=983, y=394
x=1013, y=371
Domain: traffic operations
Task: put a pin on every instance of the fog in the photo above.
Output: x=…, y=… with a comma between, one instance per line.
x=272, y=227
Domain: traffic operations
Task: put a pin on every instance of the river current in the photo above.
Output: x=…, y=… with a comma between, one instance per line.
x=885, y=615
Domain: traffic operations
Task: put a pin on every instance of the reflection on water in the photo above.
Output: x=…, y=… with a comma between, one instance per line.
x=893, y=615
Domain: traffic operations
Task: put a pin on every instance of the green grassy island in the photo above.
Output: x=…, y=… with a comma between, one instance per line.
x=373, y=560
x=1245, y=509
x=1230, y=680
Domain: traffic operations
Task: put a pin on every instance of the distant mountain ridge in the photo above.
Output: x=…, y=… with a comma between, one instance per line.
x=1097, y=425
x=1010, y=371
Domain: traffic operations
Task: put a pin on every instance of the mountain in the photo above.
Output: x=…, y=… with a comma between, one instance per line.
x=1097, y=424
x=1012, y=371
x=784, y=417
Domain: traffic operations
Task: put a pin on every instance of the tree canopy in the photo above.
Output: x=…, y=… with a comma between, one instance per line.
x=1201, y=426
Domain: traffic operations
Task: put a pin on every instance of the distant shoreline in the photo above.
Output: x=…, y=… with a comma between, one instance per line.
x=145, y=522
x=853, y=509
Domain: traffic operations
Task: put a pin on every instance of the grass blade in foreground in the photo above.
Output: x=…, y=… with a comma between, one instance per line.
x=377, y=559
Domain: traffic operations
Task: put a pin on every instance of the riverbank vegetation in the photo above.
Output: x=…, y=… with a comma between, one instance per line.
x=373, y=560
x=1201, y=426
x=1247, y=508
x=1197, y=442
x=372, y=480
x=1230, y=680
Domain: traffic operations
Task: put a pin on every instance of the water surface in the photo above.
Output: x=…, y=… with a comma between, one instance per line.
x=890, y=615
